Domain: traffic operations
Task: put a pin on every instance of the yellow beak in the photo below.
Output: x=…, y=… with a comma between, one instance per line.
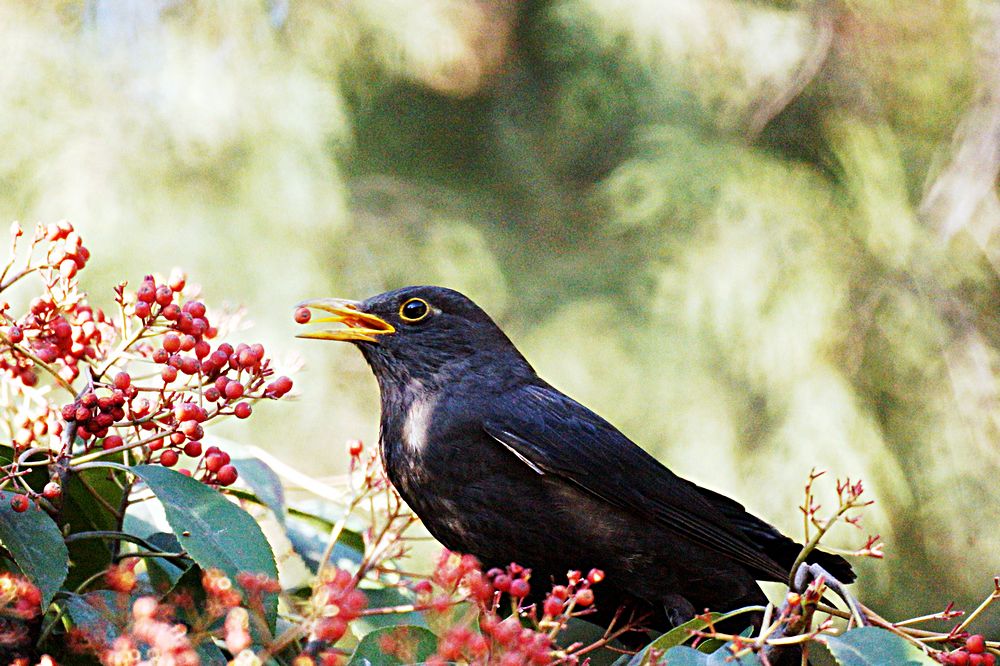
x=361, y=326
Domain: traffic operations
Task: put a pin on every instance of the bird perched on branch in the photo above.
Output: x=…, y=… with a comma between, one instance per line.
x=499, y=464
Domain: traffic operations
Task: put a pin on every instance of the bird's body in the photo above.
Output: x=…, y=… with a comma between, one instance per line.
x=499, y=464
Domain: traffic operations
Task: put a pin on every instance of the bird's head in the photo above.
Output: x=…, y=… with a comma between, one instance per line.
x=427, y=334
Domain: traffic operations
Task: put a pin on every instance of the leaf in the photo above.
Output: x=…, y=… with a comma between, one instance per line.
x=682, y=634
x=420, y=643
x=97, y=614
x=81, y=512
x=383, y=598
x=37, y=546
x=309, y=537
x=264, y=483
x=215, y=532
x=164, y=573
x=871, y=646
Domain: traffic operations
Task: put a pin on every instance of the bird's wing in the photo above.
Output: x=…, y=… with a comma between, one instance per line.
x=554, y=434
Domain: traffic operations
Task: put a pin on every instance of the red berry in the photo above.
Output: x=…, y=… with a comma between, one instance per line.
x=169, y=458
x=281, y=385
x=171, y=312
x=595, y=576
x=989, y=659
x=584, y=598
x=164, y=295
x=190, y=365
x=177, y=280
x=234, y=390
x=172, y=343
x=146, y=292
x=975, y=644
x=202, y=349
x=156, y=444
x=123, y=380
x=976, y=659
x=192, y=429
x=213, y=461
x=142, y=309
x=161, y=355
x=15, y=334
x=502, y=582
x=177, y=438
x=329, y=629
x=111, y=442
x=52, y=490
x=355, y=447
x=19, y=503
x=552, y=606
x=195, y=308
x=303, y=315
x=192, y=449
x=168, y=374
x=519, y=588
x=211, y=394
x=227, y=475
x=242, y=410
x=188, y=342
x=69, y=412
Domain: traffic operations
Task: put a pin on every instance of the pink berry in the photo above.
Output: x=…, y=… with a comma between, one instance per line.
x=242, y=410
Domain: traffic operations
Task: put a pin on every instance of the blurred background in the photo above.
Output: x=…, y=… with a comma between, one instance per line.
x=759, y=237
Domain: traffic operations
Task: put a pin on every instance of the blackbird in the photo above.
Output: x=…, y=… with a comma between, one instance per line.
x=499, y=464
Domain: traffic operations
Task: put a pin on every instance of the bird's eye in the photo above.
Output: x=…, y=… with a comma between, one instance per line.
x=414, y=310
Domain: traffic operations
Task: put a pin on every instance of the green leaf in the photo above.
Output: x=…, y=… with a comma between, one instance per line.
x=264, y=483
x=82, y=513
x=35, y=543
x=682, y=634
x=871, y=646
x=99, y=615
x=420, y=644
x=383, y=598
x=164, y=573
x=215, y=532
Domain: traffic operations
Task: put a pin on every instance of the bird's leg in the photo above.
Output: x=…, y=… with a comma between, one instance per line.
x=807, y=573
x=799, y=620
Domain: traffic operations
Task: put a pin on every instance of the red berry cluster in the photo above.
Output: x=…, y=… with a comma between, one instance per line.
x=515, y=644
x=59, y=328
x=94, y=415
x=336, y=601
x=19, y=598
x=512, y=581
x=222, y=594
x=972, y=654
x=66, y=250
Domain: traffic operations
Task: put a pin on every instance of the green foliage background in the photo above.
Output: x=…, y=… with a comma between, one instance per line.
x=757, y=236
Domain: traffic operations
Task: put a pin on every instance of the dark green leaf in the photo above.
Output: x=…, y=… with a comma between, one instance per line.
x=419, y=644
x=215, y=532
x=100, y=615
x=34, y=541
x=264, y=483
x=871, y=646
x=164, y=573
x=81, y=512
x=210, y=654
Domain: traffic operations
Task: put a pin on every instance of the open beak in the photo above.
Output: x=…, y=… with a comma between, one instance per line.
x=361, y=326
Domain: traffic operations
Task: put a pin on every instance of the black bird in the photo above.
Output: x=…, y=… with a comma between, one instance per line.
x=499, y=464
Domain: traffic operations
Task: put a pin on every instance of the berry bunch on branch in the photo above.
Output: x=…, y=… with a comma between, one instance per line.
x=129, y=535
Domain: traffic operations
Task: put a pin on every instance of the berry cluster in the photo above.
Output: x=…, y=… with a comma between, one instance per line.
x=59, y=329
x=335, y=602
x=973, y=653
x=151, y=632
x=94, y=414
x=18, y=597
